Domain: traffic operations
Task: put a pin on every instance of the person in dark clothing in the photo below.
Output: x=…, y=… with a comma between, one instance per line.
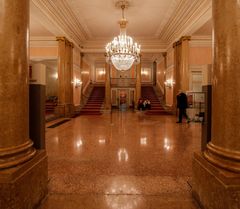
x=182, y=105
x=140, y=104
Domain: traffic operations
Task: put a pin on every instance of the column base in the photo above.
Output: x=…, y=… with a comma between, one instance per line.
x=213, y=187
x=24, y=186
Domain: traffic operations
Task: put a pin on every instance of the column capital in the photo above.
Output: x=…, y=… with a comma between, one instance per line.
x=164, y=54
x=185, y=38
x=177, y=43
x=60, y=38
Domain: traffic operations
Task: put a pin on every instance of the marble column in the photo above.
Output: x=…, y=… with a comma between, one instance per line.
x=184, y=66
x=15, y=145
x=164, y=54
x=65, y=77
x=107, y=87
x=61, y=80
x=176, y=72
x=138, y=83
x=69, y=82
x=217, y=170
x=20, y=163
x=82, y=102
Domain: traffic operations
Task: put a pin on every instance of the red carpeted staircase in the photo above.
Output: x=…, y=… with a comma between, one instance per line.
x=156, y=106
x=95, y=101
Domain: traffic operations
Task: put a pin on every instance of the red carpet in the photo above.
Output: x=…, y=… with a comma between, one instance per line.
x=94, y=103
x=156, y=106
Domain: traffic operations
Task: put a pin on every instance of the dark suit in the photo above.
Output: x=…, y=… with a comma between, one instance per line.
x=182, y=105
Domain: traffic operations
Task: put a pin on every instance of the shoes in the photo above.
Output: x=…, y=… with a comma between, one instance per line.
x=188, y=120
x=178, y=122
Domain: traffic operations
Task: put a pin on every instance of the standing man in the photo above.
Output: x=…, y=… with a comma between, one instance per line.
x=182, y=105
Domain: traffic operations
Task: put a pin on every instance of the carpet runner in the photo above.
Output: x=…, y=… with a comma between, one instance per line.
x=95, y=101
x=156, y=106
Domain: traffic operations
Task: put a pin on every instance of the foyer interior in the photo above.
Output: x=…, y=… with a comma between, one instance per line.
x=80, y=140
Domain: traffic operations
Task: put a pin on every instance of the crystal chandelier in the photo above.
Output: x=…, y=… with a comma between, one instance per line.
x=122, y=52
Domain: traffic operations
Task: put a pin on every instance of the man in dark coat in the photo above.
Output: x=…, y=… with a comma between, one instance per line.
x=182, y=105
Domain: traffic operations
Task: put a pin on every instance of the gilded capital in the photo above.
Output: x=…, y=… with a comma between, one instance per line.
x=185, y=38
x=60, y=38
x=164, y=54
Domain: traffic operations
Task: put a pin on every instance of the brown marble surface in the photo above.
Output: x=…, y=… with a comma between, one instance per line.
x=131, y=161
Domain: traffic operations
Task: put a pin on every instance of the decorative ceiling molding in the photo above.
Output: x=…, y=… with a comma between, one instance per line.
x=43, y=41
x=201, y=41
x=167, y=16
x=147, y=45
x=183, y=20
x=61, y=14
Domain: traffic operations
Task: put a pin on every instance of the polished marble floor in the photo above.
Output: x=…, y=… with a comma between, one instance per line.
x=127, y=160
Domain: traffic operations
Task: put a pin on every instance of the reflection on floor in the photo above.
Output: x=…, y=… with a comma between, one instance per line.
x=127, y=161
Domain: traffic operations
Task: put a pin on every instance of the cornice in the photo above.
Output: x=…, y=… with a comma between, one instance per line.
x=201, y=41
x=187, y=16
x=61, y=15
x=147, y=45
x=43, y=41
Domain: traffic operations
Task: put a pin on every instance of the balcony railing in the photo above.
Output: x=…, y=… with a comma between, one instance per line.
x=123, y=82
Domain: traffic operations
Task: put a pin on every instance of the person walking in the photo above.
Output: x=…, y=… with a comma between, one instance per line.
x=182, y=105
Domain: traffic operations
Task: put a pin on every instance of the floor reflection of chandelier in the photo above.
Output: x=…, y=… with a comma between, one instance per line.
x=122, y=52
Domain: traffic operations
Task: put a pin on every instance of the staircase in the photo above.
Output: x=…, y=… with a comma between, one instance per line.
x=94, y=102
x=156, y=106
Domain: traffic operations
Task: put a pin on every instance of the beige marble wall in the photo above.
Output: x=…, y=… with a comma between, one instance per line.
x=85, y=75
x=36, y=52
x=161, y=70
x=200, y=55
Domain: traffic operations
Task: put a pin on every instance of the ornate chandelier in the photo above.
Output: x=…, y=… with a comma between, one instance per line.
x=122, y=52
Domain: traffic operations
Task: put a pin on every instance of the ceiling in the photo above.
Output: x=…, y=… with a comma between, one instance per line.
x=90, y=24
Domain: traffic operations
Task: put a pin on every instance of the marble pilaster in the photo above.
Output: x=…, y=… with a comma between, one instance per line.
x=184, y=83
x=216, y=171
x=138, y=83
x=18, y=158
x=176, y=72
x=65, y=77
x=164, y=54
x=107, y=87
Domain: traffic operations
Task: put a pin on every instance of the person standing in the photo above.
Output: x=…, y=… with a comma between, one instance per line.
x=182, y=105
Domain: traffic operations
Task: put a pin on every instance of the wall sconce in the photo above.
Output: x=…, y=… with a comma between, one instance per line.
x=77, y=83
x=169, y=83
x=144, y=72
x=101, y=72
x=55, y=75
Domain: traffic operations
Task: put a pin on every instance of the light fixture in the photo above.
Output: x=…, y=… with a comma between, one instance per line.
x=77, y=83
x=169, y=83
x=122, y=52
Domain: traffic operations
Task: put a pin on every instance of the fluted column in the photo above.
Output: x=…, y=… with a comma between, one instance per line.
x=224, y=148
x=107, y=87
x=15, y=145
x=138, y=83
